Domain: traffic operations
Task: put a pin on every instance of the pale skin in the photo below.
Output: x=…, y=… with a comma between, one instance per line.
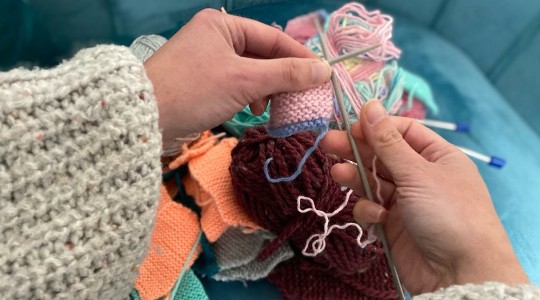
x=439, y=218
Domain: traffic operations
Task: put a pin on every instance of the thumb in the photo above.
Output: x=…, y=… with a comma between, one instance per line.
x=271, y=76
x=384, y=138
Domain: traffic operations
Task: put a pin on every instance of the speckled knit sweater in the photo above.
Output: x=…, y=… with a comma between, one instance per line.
x=79, y=181
x=79, y=176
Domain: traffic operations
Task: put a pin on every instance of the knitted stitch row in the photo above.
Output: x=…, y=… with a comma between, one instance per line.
x=309, y=110
x=173, y=237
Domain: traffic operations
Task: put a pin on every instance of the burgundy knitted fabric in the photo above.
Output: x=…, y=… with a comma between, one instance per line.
x=274, y=205
x=300, y=278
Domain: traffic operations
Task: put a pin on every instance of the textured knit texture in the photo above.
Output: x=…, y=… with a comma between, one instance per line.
x=79, y=176
x=236, y=253
x=197, y=148
x=274, y=205
x=144, y=47
x=488, y=290
x=308, y=110
x=302, y=278
x=190, y=288
x=213, y=190
x=175, y=234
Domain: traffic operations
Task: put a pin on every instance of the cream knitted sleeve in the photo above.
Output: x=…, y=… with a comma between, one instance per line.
x=79, y=176
x=488, y=290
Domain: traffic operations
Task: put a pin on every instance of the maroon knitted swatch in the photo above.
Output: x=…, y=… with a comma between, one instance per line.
x=274, y=205
x=299, y=278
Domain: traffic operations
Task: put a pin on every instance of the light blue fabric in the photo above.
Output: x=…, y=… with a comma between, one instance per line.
x=463, y=22
x=520, y=82
x=420, y=11
x=136, y=17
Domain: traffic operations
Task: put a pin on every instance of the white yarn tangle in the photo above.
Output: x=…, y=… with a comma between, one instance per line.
x=318, y=241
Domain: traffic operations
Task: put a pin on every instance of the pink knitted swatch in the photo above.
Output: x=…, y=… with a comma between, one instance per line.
x=308, y=110
x=290, y=113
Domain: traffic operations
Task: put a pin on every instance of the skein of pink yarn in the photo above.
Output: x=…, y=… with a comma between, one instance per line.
x=274, y=205
x=353, y=27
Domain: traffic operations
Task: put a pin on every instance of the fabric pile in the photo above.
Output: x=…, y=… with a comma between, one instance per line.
x=223, y=215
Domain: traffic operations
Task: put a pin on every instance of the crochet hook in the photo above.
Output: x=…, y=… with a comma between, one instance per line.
x=379, y=228
x=354, y=53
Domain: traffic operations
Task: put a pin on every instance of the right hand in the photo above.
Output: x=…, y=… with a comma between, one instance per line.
x=438, y=217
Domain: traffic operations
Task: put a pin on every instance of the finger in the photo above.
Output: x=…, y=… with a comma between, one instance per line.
x=422, y=139
x=365, y=211
x=336, y=142
x=258, y=107
x=271, y=76
x=386, y=140
x=265, y=41
x=347, y=174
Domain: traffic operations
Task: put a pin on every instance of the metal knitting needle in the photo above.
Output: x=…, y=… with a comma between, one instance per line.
x=380, y=231
x=355, y=53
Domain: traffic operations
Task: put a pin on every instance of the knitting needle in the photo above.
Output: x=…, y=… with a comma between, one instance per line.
x=493, y=161
x=459, y=126
x=355, y=53
x=378, y=227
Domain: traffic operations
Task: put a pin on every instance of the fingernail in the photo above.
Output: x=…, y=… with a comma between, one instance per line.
x=375, y=213
x=320, y=71
x=375, y=112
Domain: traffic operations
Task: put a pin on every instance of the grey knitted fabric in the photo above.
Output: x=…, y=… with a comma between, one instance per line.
x=488, y=290
x=79, y=176
x=144, y=47
x=236, y=254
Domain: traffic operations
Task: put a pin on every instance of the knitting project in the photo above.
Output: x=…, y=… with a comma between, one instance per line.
x=275, y=205
x=210, y=184
x=189, y=287
x=301, y=278
x=175, y=233
x=308, y=110
x=290, y=113
x=236, y=253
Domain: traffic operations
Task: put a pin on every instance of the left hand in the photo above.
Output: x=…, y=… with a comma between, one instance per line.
x=219, y=63
x=440, y=222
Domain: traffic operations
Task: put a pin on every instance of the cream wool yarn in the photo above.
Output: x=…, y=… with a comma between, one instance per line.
x=488, y=290
x=79, y=176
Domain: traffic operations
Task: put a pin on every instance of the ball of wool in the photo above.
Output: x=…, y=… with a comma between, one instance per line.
x=274, y=205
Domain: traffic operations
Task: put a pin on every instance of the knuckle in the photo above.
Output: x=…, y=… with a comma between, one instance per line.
x=388, y=137
x=291, y=72
x=276, y=46
x=244, y=81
